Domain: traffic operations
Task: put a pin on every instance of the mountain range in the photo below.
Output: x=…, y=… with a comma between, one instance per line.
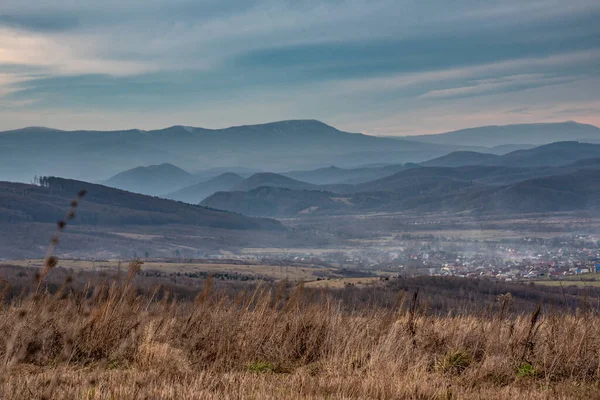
x=533, y=180
x=553, y=154
x=273, y=146
x=511, y=135
x=286, y=145
x=443, y=191
x=452, y=177
x=519, y=165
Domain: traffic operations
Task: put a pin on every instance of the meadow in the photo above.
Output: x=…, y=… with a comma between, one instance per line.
x=115, y=336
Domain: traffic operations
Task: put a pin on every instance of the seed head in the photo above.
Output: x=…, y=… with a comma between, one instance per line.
x=51, y=262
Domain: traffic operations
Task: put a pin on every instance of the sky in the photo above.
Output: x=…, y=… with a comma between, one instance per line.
x=382, y=67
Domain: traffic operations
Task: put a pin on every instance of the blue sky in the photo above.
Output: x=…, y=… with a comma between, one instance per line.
x=385, y=67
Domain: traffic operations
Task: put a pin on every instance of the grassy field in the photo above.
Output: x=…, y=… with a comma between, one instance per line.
x=582, y=280
x=293, y=273
x=110, y=342
x=339, y=283
x=570, y=282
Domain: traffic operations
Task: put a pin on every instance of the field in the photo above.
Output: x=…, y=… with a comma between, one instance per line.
x=117, y=337
x=341, y=282
x=584, y=280
x=247, y=268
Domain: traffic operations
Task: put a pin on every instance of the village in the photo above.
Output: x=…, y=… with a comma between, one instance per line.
x=504, y=260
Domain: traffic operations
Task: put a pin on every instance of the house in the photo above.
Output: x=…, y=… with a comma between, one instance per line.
x=583, y=270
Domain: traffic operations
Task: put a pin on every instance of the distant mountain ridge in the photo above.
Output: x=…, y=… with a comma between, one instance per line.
x=336, y=175
x=270, y=179
x=293, y=144
x=553, y=154
x=526, y=134
x=478, y=189
x=194, y=194
x=460, y=158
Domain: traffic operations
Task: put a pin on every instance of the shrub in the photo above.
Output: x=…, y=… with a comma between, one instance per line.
x=455, y=362
x=261, y=367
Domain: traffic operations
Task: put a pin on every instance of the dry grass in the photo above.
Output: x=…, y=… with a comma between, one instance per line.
x=107, y=342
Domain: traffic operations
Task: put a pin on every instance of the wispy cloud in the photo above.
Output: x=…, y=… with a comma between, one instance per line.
x=206, y=62
x=576, y=111
x=520, y=110
x=495, y=85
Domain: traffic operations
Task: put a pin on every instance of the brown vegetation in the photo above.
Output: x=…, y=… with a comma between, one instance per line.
x=110, y=339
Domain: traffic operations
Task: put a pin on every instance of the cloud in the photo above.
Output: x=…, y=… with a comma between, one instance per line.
x=576, y=111
x=40, y=22
x=495, y=85
x=520, y=110
x=331, y=59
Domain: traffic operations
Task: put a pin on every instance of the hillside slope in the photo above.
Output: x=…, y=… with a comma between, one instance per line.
x=465, y=189
x=336, y=175
x=536, y=134
x=277, y=202
x=194, y=194
x=269, y=179
x=553, y=154
x=151, y=180
x=460, y=158
x=107, y=206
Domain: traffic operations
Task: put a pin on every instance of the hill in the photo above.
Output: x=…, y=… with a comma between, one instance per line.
x=296, y=144
x=103, y=205
x=151, y=180
x=276, y=202
x=194, y=194
x=579, y=190
x=475, y=189
x=459, y=158
x=336, y=175
x=205, y=175
x=272, y=180
x=527, y=134
x=553, y=154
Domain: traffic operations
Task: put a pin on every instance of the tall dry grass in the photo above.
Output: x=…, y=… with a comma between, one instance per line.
x=108, y=342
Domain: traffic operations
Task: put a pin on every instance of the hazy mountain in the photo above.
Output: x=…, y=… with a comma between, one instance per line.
x=592, y=163
x=205, y=175
x=507, y=148
x=108, y=206
x=276, y=202
x=151, y=180
x=474, y=189
x=459, y=158
x=272, y=180
x=554, y=154
x=298, y=144
x=530, y=134
x=194, y=194
x=336, y=175
x=579, y=190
